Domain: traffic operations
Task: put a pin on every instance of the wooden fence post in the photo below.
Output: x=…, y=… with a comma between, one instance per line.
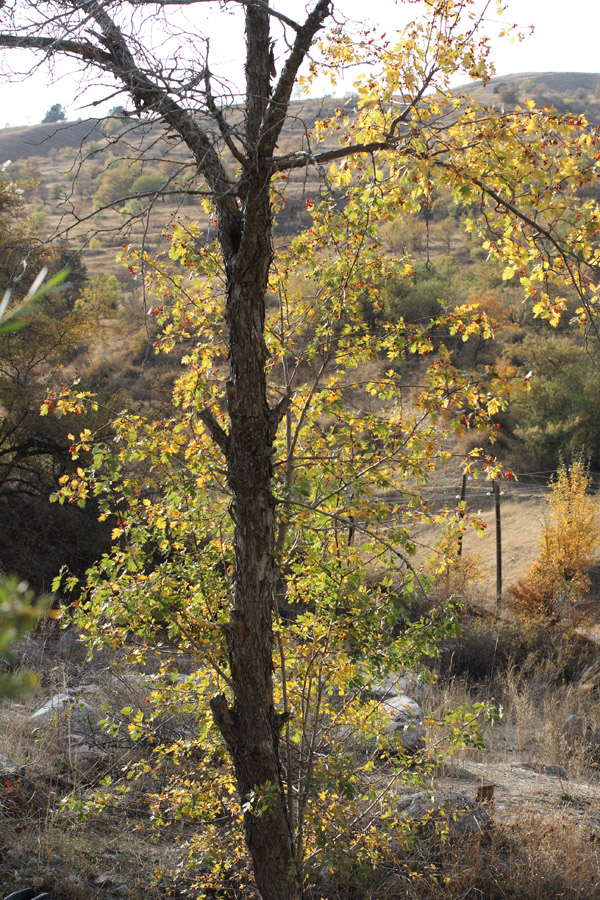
x=497, y=495
x=461, y=515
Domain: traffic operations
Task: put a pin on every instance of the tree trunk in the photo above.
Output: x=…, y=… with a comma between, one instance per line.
x=251, y=726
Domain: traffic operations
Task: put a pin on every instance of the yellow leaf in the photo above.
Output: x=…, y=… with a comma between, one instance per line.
x=508, y=273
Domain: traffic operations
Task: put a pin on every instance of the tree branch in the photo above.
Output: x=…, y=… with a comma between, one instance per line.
x=82, y=49
x=219, y=436
x=305, y=158
x=224, y=128
x=118, y=59
x=260, y=3
x=278, y=105
x=279, y=410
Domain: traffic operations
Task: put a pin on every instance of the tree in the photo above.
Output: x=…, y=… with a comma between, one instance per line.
x=55, y=114
x=34, y=453
x=19, y=610
x=559, y=415
x=116, y=181
x=392, y=151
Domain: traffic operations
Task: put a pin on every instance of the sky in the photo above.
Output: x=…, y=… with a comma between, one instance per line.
x=565, y=39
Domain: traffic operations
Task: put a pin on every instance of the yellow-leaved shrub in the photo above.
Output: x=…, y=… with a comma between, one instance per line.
x=559, y=579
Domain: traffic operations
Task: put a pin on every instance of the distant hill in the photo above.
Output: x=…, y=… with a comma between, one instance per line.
x=67, y=164
x=44, y=140
x=562, y=82
x=577, y=92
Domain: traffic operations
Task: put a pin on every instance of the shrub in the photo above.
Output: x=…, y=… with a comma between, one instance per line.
x=558, y=578
x=116, y=181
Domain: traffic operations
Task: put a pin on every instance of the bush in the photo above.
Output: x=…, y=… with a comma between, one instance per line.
x=151, y=182
x=116, y=182
x=422, y=295
x=559, y=577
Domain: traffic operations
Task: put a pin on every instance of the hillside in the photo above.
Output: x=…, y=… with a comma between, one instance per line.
x=578, y=92
x=563, y=88
x=46, y=140
x=67, y=167
x=67, y=164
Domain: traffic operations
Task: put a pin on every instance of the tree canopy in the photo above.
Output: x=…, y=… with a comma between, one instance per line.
x=55, y=114
x=34, y=452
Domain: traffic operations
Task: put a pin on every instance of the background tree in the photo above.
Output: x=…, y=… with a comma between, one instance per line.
x=559, y=414
x=116, y=181
x=394, y=147
x=55, y=114
x=34, y=452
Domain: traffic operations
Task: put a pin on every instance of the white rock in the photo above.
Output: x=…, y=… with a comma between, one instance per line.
x=406, y=721
x=455, y=812
x=63, y=707
x=395, y=684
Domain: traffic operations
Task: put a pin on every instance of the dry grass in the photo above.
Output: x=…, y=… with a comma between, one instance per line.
x=522, y=522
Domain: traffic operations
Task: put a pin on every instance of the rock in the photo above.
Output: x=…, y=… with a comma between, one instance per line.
x=576, y=729
x=406, y=721
x=64, y=707
x=70, y=643
x=452, y=812
x=10, y=767
x=395, y=684
x=543, y=769
x=87, y=759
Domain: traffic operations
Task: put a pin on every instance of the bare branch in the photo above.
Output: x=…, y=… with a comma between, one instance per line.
x=259, y=3
x=81, y=49
x=304, y=158
x=224, y=128
x=278, y=105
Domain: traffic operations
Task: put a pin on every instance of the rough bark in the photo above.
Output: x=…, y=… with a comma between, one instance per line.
x=250, y=727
